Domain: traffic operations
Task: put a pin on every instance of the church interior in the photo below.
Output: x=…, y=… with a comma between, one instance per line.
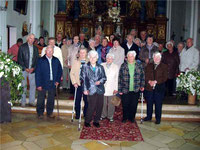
x=165, y=20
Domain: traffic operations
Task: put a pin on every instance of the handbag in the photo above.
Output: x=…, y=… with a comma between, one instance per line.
x=116, y=100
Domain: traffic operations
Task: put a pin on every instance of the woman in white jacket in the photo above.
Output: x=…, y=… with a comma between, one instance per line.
x=111, y=86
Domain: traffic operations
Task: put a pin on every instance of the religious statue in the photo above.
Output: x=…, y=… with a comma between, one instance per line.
x=69, y=6
x=134, y=8
x=24, y=29
x=150, y=9
x=84, y=5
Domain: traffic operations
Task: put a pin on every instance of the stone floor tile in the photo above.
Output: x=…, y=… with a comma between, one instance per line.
x=47, y=142
x=164, y=127
x=144, y=146
x=128, y=144
x=156, y=143
x=39, y=137
x=197, y=138
x=162, y=138
x=78, y=147
x=190, y=135
x=164, y=148
x=31, y=132
x=143, y=126
x=113, y=148
x=59, y=147
x=6, y=138
x=96, y=145
x=19, y=147
x=176, y=143
x=82, y=141
x=148, y=133
x=10, y=144
x=177, y=131
x=189, y=146
x=31, y=146
x=127, y=148
x=171, y=134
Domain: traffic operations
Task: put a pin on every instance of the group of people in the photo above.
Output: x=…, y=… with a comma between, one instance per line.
x=102, y=68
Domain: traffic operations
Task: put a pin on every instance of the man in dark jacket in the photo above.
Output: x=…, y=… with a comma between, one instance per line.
x=27, y=58
x=48, y=75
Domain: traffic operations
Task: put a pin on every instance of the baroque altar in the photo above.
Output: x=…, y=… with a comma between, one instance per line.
x=111, y=17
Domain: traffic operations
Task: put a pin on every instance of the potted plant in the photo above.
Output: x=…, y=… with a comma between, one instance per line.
x=11, y=73
x=190, y=84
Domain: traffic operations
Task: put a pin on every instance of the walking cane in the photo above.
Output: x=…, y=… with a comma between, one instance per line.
x=57, y=101
x=142, y=100
x=79, y=122
x=73, y=111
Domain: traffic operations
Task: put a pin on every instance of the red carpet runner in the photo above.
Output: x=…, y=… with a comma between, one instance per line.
x=116, y=131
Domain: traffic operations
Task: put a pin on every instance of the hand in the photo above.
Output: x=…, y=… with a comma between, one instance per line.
x=66, y=62
x=39, y=88
x=56, y=84
x=97, y=83
x=142, y=89
x=120, y=93
x=115, y=92
x=86, y=92
x=31, y=70
x=76, y=85
x=27, y=70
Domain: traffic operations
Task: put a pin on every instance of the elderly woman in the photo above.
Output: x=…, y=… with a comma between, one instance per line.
x=91, y=44
x=93, y=77
x=131, y=81
x=111, y=86
x=171, y=58
x=75, y=79
x=155, y=78
x=118, y=52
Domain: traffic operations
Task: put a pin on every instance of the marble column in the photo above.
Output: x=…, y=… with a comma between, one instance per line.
x=3, y=28
x=168, y=15
x=52, y=18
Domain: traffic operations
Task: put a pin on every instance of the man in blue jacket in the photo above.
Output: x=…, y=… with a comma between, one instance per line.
x=47, y=74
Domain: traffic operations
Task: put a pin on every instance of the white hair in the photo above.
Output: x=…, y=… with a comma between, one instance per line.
x=137, y=39
x=131, y=53
x=93, y=53
x=110, y=55
x=31, y=34
x=157, y=54
x=91, y=40
x=168, y=44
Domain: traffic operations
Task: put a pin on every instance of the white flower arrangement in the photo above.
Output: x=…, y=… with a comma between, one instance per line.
x=189, y=82
x=11, y=72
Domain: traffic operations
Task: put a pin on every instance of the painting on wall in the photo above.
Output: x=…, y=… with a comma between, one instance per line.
x=21, y=6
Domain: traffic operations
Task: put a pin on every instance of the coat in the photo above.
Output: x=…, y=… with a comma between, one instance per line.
x=124, y=78
x=112, y=74
x=89, y=78
x=24, y=56
x=160, y=75
x=99, y=53
x=42, y=72
x=134, y=47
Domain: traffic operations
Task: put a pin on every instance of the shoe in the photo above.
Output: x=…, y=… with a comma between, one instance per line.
x=132, y=120
x=40, y=116
x=51, y=116
x=96, y=124
x=111, y=120
x=124, y=120
x=102, y=118
x=146, y=119
x=157, y=122
x=87, y=124
x=77, y=117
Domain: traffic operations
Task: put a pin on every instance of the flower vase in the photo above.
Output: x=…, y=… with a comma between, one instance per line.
x=191, y=99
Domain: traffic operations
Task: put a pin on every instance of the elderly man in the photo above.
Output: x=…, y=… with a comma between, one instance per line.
x=59, y=40
x=130, y=46
x=15, y=48
x=48, y=74
x=57, y=51
x=155, y=78
x=147, y=51
x=83, y=41
x=111, y=86
x=97, y=39
x=189, y=57
x=27, y=58
x=103, y=51
x=131, y=82
x=93, y=77
x=180, y=47
x=75, y=79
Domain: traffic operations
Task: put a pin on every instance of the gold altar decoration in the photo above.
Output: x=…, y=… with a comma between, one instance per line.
x=134, y=8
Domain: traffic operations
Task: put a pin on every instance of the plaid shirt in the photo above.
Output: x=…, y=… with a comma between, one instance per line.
x=124, y=78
